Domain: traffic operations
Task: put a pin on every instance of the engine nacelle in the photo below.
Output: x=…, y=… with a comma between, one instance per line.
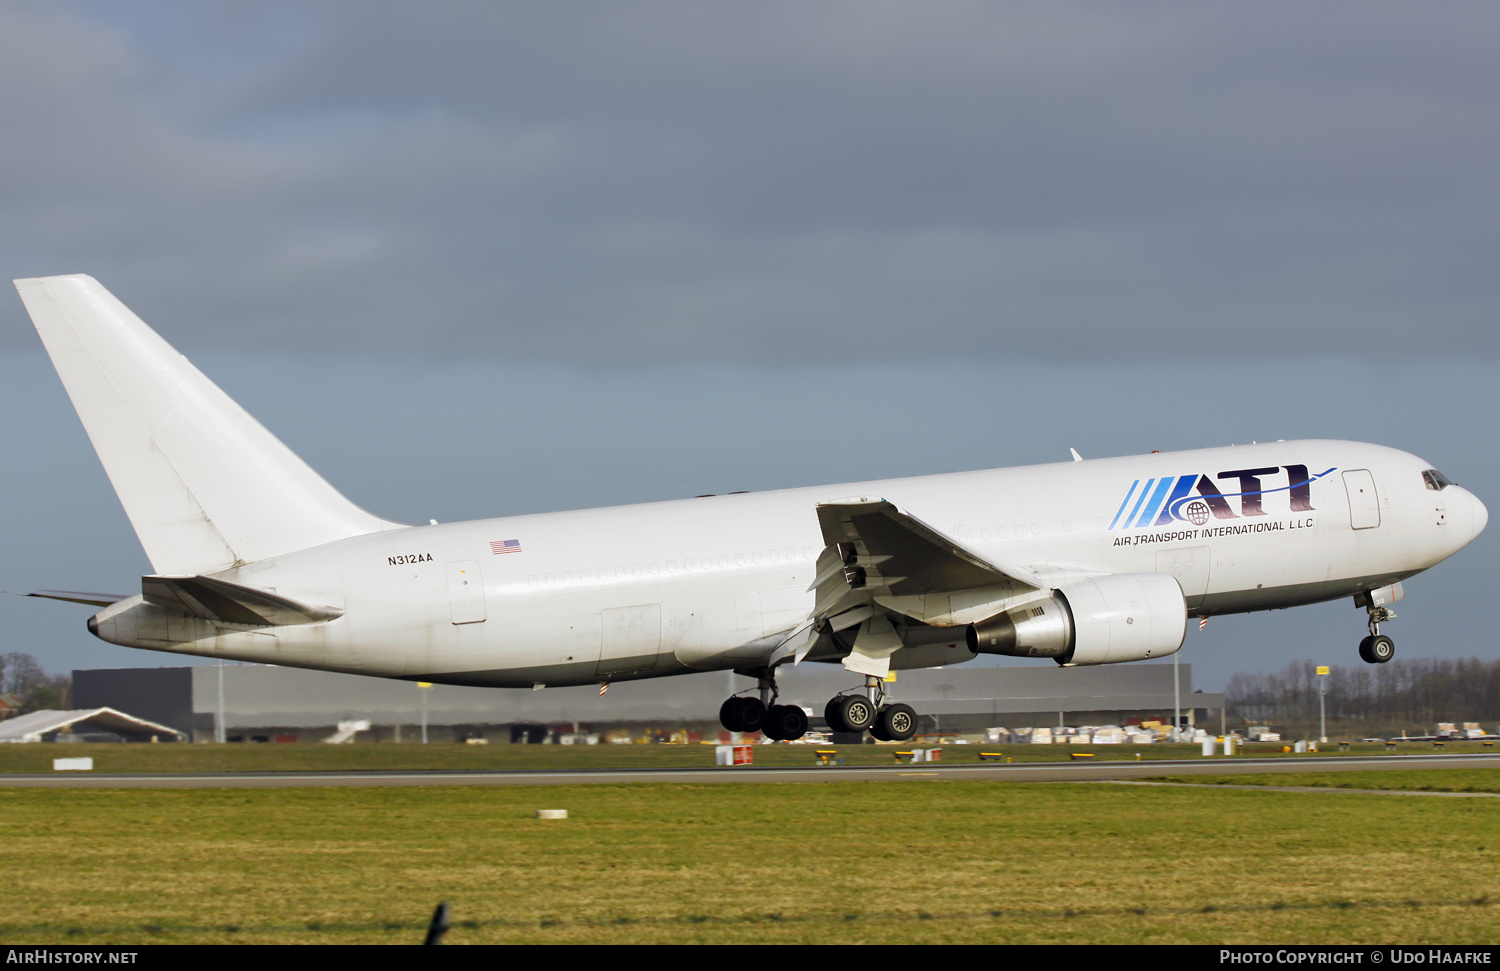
x=1121, y=617
x=1125, y=617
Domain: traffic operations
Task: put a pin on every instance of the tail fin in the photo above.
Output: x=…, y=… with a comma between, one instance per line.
x=204, y=484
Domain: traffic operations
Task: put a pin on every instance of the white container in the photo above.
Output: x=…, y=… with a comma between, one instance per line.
x=1208, y=746
x=551, y=814
x=73, y=765
x=1299, y=746
x=733, y=754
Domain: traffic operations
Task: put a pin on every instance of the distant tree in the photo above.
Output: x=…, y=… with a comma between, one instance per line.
x=22, y=675
x=1416, y=693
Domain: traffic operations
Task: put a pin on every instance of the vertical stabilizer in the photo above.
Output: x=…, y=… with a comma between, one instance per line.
x=204, y=484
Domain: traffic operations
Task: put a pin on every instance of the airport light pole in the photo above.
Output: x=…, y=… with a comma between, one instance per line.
x=219, y=735
x=1322, y=706
x=1176, y=700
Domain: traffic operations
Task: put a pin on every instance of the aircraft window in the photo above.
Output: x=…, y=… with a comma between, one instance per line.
x=603, y=573
x=567, y=576
x=807, y=551
x=671, y=566
x=1020, y=530
x=1435, y=480
x=1067, y=525
x=635, y=568
x=1036, y=529
x=619, y=571
x=723, y=560
x=739, y=559
x=655, y=568
x=773, y=556
x=755, y=557
x=985, y=534
x=551, y=578
x=999, y=532
x=531, y=580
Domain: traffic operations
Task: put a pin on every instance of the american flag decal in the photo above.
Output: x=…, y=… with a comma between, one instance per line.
x=498, y=546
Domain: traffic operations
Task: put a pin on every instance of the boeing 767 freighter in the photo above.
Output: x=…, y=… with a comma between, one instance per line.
x=257, y=558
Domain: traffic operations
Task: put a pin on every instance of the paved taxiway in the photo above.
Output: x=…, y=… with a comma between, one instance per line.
x=984, y=771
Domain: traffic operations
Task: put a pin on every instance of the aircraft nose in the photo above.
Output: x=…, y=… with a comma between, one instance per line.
x=1481, y=515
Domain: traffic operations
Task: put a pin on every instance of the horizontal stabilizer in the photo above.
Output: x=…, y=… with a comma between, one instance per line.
x=72, y=596
x=231, y=603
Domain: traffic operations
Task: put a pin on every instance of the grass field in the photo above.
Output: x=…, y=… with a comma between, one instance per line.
x=849, y=862
x=312, y=757
x=1417, y=780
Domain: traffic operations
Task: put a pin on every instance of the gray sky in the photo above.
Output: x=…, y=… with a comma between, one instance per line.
x=474, y=259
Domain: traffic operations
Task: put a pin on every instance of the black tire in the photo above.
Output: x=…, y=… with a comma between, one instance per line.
x=896, y=722
x=786, y=723
x=1364, y=651
x=1382, y=648
x=878, y=733
x=856, y=712
x=833, y=718
x=742, y=714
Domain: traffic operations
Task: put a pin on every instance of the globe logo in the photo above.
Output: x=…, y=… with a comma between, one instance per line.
x=1197, y=512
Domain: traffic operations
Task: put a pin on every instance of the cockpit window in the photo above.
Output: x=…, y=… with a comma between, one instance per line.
x=1435, y=480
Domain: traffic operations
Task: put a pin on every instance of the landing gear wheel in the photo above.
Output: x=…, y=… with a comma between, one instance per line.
x=1377, y=649
x=785, y=723
x=878, y=733
x=742, y=714
x=896, y=722
x=854, y=711
x=832, y=717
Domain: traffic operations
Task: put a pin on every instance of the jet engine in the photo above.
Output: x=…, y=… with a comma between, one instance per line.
x=1121, y=617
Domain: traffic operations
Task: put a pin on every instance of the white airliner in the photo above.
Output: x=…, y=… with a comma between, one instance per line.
x=257, y=558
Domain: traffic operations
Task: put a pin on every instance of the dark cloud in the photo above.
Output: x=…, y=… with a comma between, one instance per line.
x=773, y=182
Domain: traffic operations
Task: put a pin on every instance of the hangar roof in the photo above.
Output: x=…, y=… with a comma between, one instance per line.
x=31, y=728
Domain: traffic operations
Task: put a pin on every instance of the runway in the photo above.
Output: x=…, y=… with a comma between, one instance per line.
x=969, y=772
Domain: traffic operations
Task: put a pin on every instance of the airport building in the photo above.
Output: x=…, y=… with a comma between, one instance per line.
x=269, y=703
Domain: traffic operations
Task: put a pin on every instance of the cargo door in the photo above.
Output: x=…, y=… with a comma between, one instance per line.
x=466, y=592
x=1364, y=504
x=631, y=639
x=1190, y=566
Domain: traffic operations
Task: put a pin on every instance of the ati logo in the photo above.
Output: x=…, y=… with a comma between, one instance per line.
x=1161, y=501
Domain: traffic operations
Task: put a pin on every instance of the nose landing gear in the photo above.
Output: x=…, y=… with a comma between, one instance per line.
x=1377, y=648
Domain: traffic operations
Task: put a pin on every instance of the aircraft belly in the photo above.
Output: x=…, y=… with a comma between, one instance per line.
x=1294, y=595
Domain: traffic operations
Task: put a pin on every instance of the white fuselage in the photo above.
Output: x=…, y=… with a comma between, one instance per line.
x=718, y=582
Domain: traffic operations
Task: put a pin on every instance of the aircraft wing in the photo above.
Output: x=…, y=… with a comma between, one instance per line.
x=231, y=603
x=878, y=560
x=905, y=554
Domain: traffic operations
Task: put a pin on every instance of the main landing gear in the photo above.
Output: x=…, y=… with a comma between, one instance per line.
x=1377, y=648
x=784, y=723
x=867, y=712
x=850, y=712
